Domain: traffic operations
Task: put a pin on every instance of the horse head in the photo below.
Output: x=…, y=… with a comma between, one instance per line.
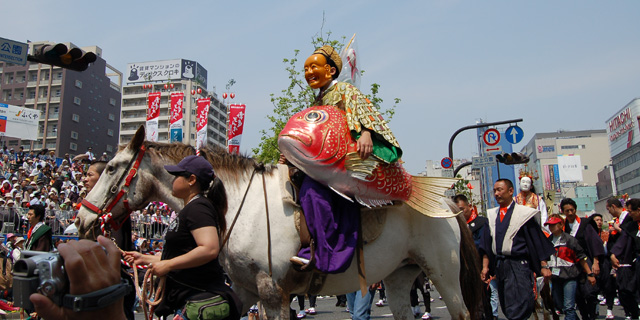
x=129, y=182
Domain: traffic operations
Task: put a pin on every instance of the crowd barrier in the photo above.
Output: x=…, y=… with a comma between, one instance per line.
x=14, y=220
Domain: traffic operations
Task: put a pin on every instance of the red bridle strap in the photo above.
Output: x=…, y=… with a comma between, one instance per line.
x=133, y=172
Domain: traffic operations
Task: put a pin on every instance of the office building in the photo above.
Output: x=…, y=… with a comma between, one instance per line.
x=167, y=76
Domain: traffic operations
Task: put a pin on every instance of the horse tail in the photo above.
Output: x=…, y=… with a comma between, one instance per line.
x=426, y=196
x=470, y=281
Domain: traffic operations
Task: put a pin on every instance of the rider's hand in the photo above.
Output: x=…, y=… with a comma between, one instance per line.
x=365, y=144
x=89, y=269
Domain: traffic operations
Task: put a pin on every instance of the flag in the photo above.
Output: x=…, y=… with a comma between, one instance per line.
x=153, y=113
x=201, y=122
x=235, y=126
x=175, y=121
x=350, y=63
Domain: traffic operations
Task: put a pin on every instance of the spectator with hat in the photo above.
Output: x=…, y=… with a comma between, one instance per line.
x=563, y=264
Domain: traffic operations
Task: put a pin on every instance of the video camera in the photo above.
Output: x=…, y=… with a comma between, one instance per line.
x=41, y=272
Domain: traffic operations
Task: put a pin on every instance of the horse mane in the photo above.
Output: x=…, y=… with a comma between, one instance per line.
x=223, y=162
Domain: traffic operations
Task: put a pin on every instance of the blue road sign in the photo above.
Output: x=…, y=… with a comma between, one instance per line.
x=514, y=134
x=13, y=51
x=446, y=162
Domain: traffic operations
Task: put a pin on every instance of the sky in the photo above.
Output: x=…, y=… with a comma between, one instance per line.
x=558, y=65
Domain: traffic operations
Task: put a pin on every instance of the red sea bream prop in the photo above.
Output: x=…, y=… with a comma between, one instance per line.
x=317, y=141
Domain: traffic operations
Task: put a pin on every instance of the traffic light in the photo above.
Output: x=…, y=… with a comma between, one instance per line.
x=59, y=55
x=512, y=158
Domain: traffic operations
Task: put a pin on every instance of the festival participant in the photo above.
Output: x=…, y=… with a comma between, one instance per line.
x=39, y=237
x=332, y=220
x=514, y=245
x=192, y=242
x=360, y=306
x=477, y=224
x=622, y=249
x=528, y=197
x=564, y=267
x=585, y=230
x=91, y=266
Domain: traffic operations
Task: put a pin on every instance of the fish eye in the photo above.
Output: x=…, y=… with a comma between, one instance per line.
x=316, y=116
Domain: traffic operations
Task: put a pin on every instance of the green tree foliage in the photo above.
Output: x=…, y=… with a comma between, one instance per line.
x=298, y=96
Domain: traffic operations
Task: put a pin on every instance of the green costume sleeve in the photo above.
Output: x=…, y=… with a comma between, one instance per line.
x=362, y=113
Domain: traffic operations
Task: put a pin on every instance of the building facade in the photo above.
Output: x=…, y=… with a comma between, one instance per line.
x=78, y=109
x=623, y=135
x=567, y=161
x=167, y=76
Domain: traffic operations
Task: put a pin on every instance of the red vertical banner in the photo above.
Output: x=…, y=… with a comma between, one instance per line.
x=235, y=126
x=201, y=122
x=153, y=113
x=175, y=120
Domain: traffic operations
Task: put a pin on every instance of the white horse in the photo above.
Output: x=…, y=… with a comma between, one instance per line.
x=257, y=260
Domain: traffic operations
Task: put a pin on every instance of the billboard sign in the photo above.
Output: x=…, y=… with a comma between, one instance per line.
x=166, y=70
x=19, y=122
x=622, y=128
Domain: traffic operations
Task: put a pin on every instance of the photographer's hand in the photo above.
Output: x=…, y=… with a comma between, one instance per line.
x=89, y=269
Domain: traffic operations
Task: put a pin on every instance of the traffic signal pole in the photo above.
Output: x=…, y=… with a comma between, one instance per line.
x=480, y=125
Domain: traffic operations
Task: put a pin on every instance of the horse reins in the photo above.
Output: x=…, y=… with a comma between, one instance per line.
x=266, y=204
x=104, y=211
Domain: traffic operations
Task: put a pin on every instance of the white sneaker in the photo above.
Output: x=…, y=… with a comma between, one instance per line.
x=610, y=314
x=380, y=303
x=426, y=316
x=311, y=310
x=301, y=314
x=616, y=302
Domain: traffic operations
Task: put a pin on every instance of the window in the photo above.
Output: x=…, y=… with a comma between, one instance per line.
x=32, y=94
x=75, y=117
x=112, y=117
x=193, y=112
x=110, y=132
x=59, y=75
x=112, y=102
x=77, y=100
x=193, y=136
x=74, y=135
x=109, y=148
x=193, y=124
x=73, y=146
x=56, y=93
x=586, y=167
x=78, y=84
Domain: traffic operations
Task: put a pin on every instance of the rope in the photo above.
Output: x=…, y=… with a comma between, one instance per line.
x=266, y=206
x=226, y=237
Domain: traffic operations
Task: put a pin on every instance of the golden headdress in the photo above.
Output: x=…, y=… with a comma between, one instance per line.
x=330, y=53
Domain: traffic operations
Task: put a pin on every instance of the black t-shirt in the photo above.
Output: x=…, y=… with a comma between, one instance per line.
x=196, y=214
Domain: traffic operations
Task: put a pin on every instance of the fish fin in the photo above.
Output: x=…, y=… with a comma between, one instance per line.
x=373, y=202
x=341, y=194
x=427, y=196
x=358, y=168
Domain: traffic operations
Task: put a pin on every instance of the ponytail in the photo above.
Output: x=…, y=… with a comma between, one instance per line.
x=217, y=194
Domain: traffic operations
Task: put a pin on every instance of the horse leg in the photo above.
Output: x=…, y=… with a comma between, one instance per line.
x=247, y=297
x=274, y=299
x=445, y=274
x=397, y=286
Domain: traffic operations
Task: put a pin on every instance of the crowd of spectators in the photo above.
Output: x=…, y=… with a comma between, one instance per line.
x=29, y=178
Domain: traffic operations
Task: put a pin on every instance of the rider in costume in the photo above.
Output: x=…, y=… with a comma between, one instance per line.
x=333, y=221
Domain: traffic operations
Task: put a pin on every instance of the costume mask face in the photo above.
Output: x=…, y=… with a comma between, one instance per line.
x=317, y=71
x=525, y=184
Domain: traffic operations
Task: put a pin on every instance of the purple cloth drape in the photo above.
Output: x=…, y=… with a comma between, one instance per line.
x=333, y=223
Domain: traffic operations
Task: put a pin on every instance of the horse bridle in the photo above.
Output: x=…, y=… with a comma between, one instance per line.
x=104, y=211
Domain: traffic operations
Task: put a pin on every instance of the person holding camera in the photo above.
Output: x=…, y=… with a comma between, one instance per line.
x=39, y=237
x=91, y=267
x=189, y=259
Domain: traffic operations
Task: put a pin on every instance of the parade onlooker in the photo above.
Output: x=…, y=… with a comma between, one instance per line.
x=516, y=248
